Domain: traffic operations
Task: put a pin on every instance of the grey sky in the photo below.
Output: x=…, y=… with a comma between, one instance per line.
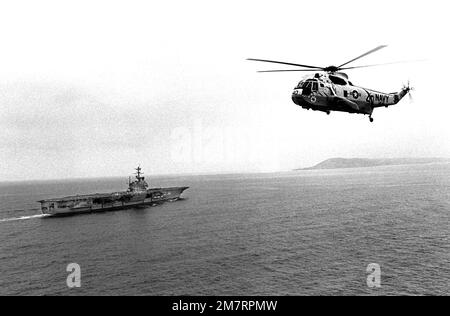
x=92, y=88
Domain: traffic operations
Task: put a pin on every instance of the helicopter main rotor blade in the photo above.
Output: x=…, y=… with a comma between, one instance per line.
x=365, y=54
x=286, y=70
x=284, y=63
x=383, y=64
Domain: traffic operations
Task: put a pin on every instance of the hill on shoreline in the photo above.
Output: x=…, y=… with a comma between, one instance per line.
x=340, y=163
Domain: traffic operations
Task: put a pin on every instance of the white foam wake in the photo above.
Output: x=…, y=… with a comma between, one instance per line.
x=22, y=218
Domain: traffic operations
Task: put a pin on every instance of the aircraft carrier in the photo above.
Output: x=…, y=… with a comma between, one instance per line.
x=137, y=194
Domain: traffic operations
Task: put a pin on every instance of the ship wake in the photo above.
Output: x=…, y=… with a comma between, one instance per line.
x=12, y=219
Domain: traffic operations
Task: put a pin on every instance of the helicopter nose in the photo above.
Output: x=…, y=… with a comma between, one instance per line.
x=297, y=97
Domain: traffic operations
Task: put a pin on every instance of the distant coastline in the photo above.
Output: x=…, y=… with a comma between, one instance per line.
x=343, y=163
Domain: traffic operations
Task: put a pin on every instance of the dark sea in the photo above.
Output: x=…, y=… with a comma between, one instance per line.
x=294, y=233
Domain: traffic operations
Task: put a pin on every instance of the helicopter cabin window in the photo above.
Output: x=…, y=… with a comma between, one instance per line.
x=345, y=93
x=337, y=80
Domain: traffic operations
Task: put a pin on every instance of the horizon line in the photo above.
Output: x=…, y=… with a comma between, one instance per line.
x=209, y=173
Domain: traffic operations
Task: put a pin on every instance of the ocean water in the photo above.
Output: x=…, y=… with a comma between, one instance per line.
x=295, y=233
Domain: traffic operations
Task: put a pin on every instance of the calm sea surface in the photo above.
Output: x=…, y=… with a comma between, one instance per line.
x=308, y=232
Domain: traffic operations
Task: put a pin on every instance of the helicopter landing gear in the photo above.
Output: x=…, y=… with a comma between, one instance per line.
x=371, y=119
x=328, y=112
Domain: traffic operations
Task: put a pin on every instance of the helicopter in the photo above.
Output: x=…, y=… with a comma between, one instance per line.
x=329, y=89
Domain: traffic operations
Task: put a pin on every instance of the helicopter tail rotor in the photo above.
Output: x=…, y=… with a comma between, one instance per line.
x=407, y=89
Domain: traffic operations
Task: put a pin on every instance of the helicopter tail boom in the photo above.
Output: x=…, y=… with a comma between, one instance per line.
x=402, y=94
x=385, y=100
x=406, y=90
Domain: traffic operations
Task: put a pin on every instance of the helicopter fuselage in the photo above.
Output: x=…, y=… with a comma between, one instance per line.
x=333, y=92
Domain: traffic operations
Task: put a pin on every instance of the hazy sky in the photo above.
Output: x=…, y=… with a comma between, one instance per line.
x=92, y=88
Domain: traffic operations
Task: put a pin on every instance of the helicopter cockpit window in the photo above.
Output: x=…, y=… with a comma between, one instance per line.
x=300, y=84
x=310, y=86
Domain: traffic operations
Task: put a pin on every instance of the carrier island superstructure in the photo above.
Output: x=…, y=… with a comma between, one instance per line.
x=137, y=194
